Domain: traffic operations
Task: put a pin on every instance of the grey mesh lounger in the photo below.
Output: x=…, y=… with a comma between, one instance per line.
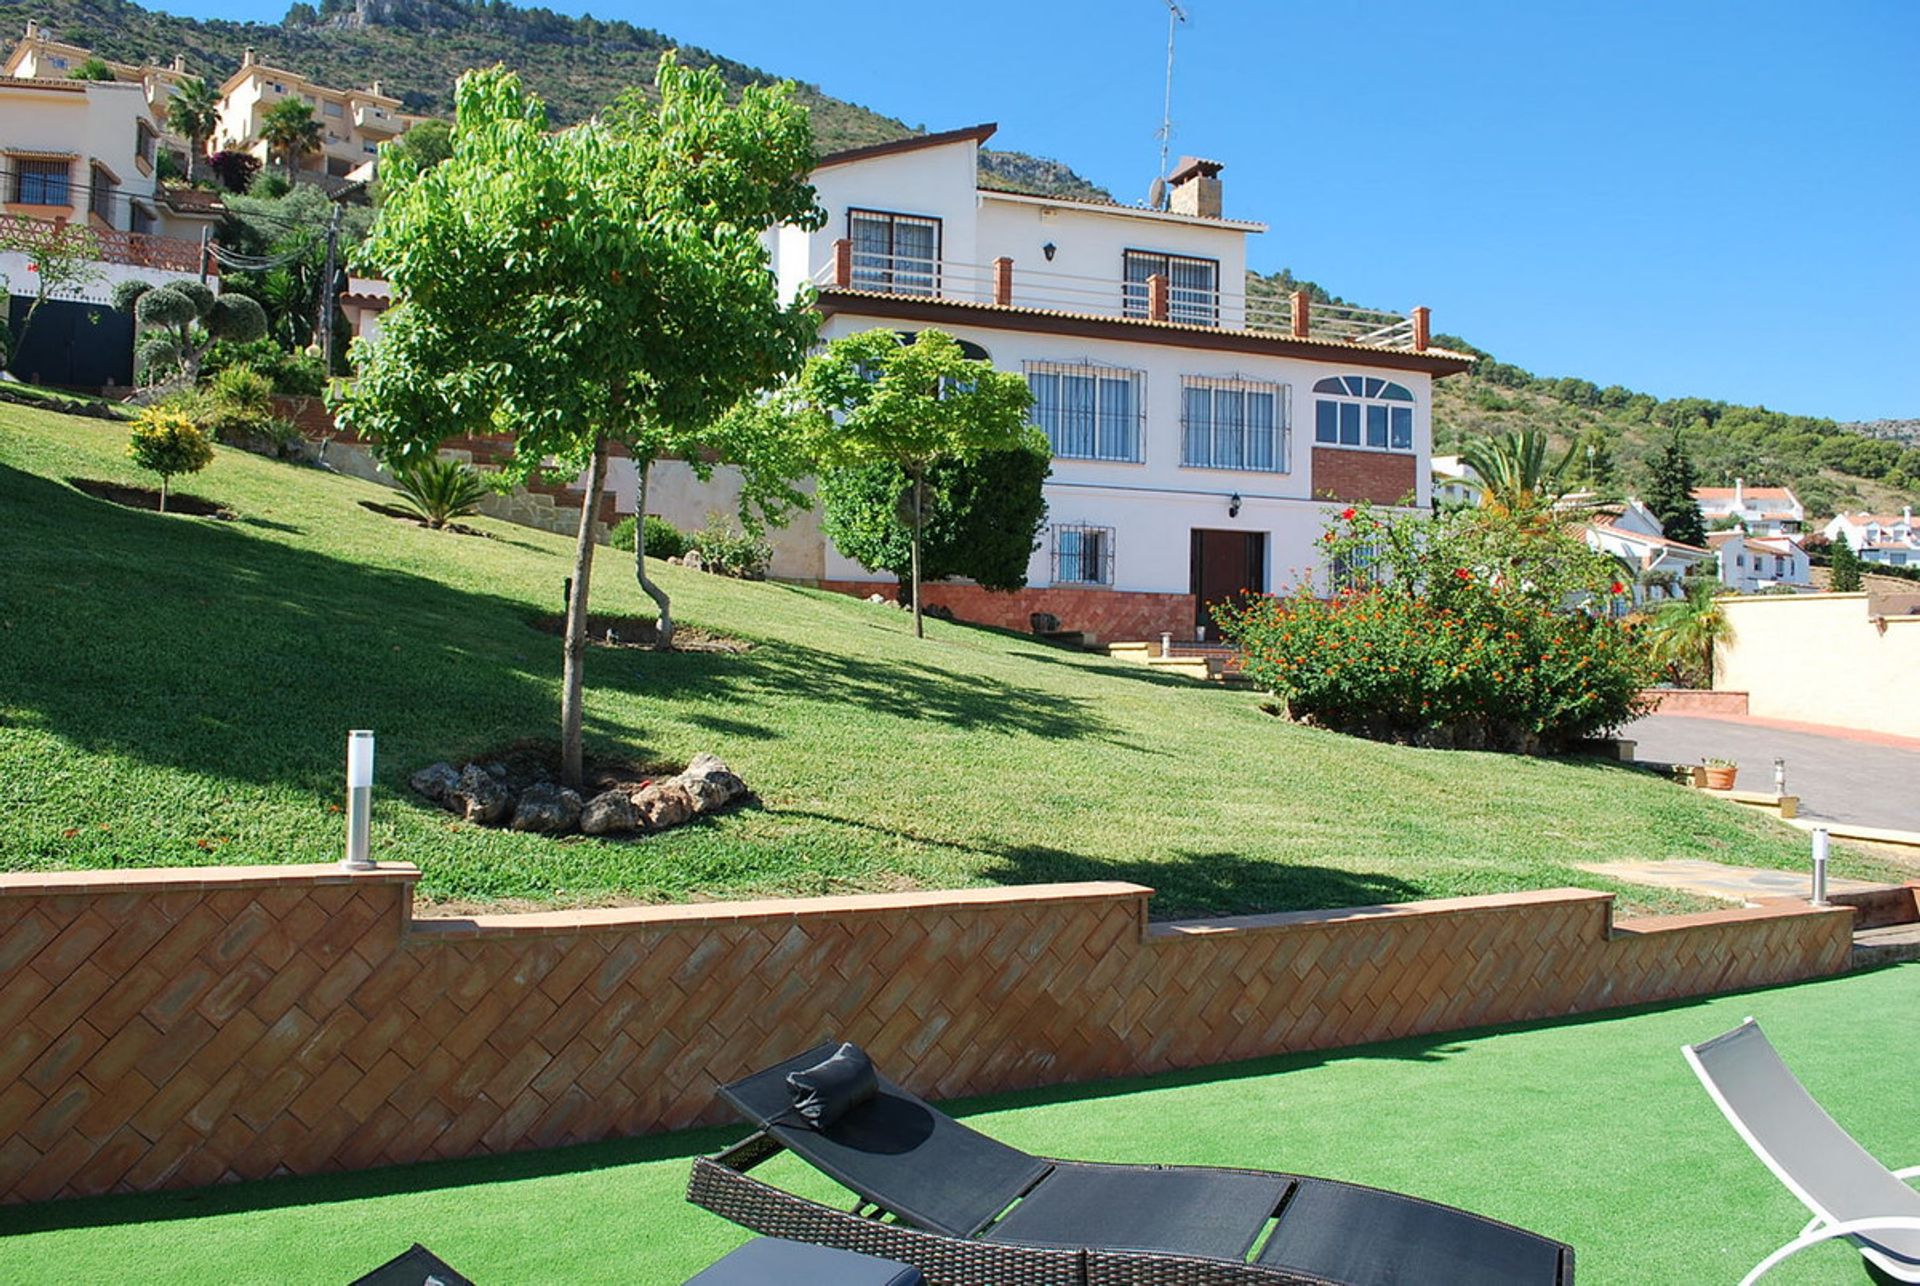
x=969, y=1211
x=1850, y=1194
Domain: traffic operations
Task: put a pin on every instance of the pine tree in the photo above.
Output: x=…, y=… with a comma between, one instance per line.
x=1845, y=577
x=1670, y=494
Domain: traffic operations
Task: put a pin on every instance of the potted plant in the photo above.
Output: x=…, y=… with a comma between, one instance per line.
x=1720, y=773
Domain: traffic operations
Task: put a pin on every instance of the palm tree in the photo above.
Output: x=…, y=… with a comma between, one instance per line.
x=194, y=113
x=1685, y=632
x=1513, y=476
x=289, y=129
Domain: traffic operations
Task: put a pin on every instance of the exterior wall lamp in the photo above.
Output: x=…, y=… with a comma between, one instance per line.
x=1233, y=505
x=1048, y=250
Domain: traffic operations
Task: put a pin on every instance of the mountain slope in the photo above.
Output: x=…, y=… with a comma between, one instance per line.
x=418, y=48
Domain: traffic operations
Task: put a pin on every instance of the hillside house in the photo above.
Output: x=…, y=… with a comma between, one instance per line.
x=1634, y=535
x=38, y=56
x=1763, y=511
x=353, y=122
x=1891, y=540
x=1750, y=563
x=1200, y=438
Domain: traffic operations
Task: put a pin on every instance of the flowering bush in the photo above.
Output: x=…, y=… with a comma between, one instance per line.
x=1461, y=630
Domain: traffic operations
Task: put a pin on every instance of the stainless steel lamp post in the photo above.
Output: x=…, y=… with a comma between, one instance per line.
x=359, y=800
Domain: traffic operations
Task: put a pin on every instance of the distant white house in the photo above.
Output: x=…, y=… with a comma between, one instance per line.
x=1888, y=539
x=1750, y=563
x=1453, y=482
x=1632, y=534
x=1763, y=511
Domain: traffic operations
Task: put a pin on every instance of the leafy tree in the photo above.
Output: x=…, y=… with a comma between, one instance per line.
x=289, y=231
x=1669, y=495
x=60, y=258
x=1593, y=463
x=194, y=113
x=871, y=398
x=92, y=69
x=181, y=320
x=982, y=518
x=421, y=147
x=234, y=169
x=602, y=284
x=290, y=132
x=1844, y=568
x=167, y=442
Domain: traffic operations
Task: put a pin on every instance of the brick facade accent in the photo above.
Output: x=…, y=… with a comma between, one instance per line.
x=1104, y=615
x=1378, y=477
x=179, y=1027
x=1692, y=701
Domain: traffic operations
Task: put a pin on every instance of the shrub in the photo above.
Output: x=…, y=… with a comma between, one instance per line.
x=165, y=441
x=664, y=540
x=727, y=549
x=440, y=490
x=293, y=374
x=1460, y=630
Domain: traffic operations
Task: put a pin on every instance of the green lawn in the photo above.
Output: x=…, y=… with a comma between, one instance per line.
x=1591, y=1130
x=177, y=690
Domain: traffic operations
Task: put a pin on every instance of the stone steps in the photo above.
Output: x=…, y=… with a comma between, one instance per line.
x=1887, y=944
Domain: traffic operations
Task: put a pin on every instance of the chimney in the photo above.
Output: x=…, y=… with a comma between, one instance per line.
x=1906, y=514
x=180, y=63
x=33, y=30
x=247, y=59
x=376, y=87
x=1196, y=187
x=1739, y=487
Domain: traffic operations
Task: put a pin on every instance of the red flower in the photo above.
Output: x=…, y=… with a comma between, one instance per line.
x=1462, y=573
x=1346, y=515
x=1618, y=588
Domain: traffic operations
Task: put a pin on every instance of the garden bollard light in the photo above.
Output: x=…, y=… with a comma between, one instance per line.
x=1166, y=645
x=1779, y=776
x=359, y=800
x=1820, y=866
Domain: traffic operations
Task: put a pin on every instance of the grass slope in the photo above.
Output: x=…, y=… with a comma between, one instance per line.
x=1591, y=1130
x=177, y=690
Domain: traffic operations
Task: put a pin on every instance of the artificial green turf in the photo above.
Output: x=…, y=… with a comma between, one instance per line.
x=177, y=690
x=1591, y=1130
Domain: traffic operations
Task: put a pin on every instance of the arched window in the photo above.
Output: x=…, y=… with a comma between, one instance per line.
x=1363, y=411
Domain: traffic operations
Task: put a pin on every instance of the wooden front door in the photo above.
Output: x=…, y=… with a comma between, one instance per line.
x=1226, y=564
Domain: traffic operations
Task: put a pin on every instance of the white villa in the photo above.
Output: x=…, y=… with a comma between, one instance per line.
x=1889, y=539
x=1767, y=511
x=1633, y=534
x=1200, y=438
x=1749, y=563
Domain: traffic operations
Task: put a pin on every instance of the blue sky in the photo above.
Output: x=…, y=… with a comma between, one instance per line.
x=1705, y=197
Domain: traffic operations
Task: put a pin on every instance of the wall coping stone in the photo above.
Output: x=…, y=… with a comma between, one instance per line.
x=1175, y=930
x=181, y=878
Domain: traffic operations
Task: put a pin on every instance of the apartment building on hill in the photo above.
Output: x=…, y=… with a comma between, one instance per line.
x=353, y=122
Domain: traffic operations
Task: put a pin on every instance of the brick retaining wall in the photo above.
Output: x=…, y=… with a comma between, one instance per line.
x=171, y=1028
x=1695, y=701
x=1104, y=615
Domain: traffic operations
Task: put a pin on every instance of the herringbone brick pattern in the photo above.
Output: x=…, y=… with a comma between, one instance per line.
x=166, y=1029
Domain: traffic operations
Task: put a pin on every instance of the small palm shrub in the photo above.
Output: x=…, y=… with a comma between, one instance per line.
x=664, y=540
x=1471, y=630
x=167, y=442
x=439, y=491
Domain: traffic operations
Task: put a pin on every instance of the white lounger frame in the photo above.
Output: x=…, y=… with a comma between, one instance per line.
x=1823, y=1227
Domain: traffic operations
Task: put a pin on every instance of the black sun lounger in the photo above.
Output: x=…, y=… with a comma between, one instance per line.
x=969, y=1211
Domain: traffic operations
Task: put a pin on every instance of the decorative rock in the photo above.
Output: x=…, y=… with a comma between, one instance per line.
x=609, y=813
x=693, y=560
x=1043, y=622
x=548, y=809
x=712, y=784
x=436, y=781
x=480, y=796
x=664, y=803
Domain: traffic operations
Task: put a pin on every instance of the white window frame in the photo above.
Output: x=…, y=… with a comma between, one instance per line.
x=900, y=275
x=1187, y=304
x=1133, y=424
x=1364, y=404
x=1214, y=386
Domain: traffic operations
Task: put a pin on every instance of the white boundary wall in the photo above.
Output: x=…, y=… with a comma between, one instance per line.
x=1824, y=658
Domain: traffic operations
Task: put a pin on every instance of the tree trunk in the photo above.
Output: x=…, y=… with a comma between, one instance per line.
x=663, y=631
x=573, y=677
x=163, y=493
x=919, y=519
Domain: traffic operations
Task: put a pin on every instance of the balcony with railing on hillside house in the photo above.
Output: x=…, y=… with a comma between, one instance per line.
x=1157, y=290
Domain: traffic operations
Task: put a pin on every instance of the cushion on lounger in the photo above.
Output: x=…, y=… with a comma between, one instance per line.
x=769, y=1261
x=828, y=1090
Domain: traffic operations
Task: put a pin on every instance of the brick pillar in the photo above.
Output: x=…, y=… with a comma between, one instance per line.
x=1302, y=314
x=1157, y=296
x=843, y=263
x=1422, y=328
x=1003, y=281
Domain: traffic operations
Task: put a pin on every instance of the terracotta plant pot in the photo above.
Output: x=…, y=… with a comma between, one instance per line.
x=1720, y=778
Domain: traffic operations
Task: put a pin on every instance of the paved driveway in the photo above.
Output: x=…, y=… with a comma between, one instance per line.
x=1837, y=779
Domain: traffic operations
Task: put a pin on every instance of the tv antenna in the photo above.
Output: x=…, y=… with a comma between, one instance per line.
x=1157, y=194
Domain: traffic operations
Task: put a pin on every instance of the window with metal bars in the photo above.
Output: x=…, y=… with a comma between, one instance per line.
x=1193, y=286
x=1089, y=411
x=1233, y=423
x=145, y=141
x=1082, y=555
x=42, y=182
x=1363, y=411
x=895, y=253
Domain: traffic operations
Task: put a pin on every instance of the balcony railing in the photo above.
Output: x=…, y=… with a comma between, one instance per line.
x=138, y=249
x=1000, y=284
x=374, y=120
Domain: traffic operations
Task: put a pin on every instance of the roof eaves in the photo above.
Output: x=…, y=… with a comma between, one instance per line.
x=975, y=133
